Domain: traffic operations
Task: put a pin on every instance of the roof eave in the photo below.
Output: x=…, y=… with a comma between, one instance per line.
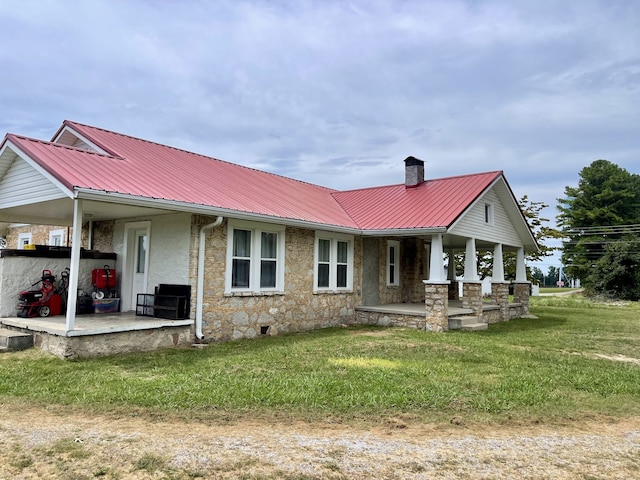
x=173, y=205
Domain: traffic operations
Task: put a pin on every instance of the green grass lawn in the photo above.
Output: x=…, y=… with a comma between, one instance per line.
x=557, y=290
x=550, y=368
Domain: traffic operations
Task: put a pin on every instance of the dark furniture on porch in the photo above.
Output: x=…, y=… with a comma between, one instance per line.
x=172, y=302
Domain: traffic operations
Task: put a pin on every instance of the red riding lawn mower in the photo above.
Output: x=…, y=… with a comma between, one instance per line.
x=43, y=302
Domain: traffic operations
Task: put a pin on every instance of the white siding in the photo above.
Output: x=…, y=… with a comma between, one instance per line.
x=23, y=185
x=473, y=224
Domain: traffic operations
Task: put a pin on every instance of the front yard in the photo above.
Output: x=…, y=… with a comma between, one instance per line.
x=556, y=397
x=577, y=358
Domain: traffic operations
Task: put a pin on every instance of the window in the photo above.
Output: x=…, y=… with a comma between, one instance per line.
x=24, y=239
x=255, y=257
x=488, y=213
x=393, y=263
x=333, y=269
x=56, y=238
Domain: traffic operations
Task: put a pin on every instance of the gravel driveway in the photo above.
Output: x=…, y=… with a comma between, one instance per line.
x=40, y=444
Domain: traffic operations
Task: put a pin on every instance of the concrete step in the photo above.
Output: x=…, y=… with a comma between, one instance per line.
x=472, y=327
x=456, y=322
x=466, y=322
x=11, y=340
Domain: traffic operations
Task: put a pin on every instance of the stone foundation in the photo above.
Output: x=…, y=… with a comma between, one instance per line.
x=389, y=319
x=86, y=346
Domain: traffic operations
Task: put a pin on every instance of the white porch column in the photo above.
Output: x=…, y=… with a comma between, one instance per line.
x=470, y=262
x=76, y=245
x=497, y=274
x=521, y=269
x=436, y=260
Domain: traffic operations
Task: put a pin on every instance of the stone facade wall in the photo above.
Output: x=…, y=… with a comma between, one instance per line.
x=102, y=235
x=231, y=316
x=39, y=234
x=413, y=268
x=388, y=293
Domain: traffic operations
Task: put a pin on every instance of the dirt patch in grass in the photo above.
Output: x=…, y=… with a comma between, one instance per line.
x=63, y=443
x=618, y=358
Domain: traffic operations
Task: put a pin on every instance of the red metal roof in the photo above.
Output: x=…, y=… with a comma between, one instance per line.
x=145, y=169
x=434, y=203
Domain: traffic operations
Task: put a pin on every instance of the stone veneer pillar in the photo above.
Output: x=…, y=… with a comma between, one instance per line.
x=500, y=296
x=521, y=295
x=436, y=300
x=472, y=297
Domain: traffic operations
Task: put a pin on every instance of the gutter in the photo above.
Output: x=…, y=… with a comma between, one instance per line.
x=200, y=289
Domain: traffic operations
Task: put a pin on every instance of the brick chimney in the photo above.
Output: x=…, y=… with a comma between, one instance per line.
x=413, y=172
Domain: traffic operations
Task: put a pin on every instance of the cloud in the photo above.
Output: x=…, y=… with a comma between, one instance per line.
x=338, y=92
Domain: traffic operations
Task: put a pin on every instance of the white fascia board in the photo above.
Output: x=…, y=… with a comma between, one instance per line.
x=81, y=137
x=158, y=203
x=36, y=166
x=119, y=198
x=404, y=232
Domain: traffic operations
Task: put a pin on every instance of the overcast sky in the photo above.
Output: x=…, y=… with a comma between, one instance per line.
x=338, y=93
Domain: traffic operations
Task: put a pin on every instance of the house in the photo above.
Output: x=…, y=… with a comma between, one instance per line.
x=262, y=254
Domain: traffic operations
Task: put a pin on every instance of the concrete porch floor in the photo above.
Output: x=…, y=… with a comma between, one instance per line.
x=417, y=309
x=94, y=324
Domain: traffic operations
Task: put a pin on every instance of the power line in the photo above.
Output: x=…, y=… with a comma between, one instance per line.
x=604, y=230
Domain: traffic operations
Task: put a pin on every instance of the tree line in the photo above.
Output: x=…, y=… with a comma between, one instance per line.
x=599, y=225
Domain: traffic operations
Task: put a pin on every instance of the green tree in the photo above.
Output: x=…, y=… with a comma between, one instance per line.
x=537, y=276
x=617, y=272
x=601, y=210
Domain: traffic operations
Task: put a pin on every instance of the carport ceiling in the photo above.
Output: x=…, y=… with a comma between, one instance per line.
x=60, y=212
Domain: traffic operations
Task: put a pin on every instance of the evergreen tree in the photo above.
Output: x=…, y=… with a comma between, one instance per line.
x=602, y=209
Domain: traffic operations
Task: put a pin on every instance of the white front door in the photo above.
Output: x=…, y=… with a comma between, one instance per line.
x=136, y=263
x=141, y=246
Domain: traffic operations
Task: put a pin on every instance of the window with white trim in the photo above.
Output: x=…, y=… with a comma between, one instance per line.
x=56, y=237
x=24, y=239
x=255, y=257
x=393, y=263
x=333, y=262
x=488, y=213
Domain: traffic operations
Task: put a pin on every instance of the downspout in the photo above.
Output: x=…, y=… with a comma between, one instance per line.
x=200, y=289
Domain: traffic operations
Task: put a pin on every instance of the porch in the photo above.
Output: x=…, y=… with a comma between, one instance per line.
x=459, y=317
x=102, y=334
